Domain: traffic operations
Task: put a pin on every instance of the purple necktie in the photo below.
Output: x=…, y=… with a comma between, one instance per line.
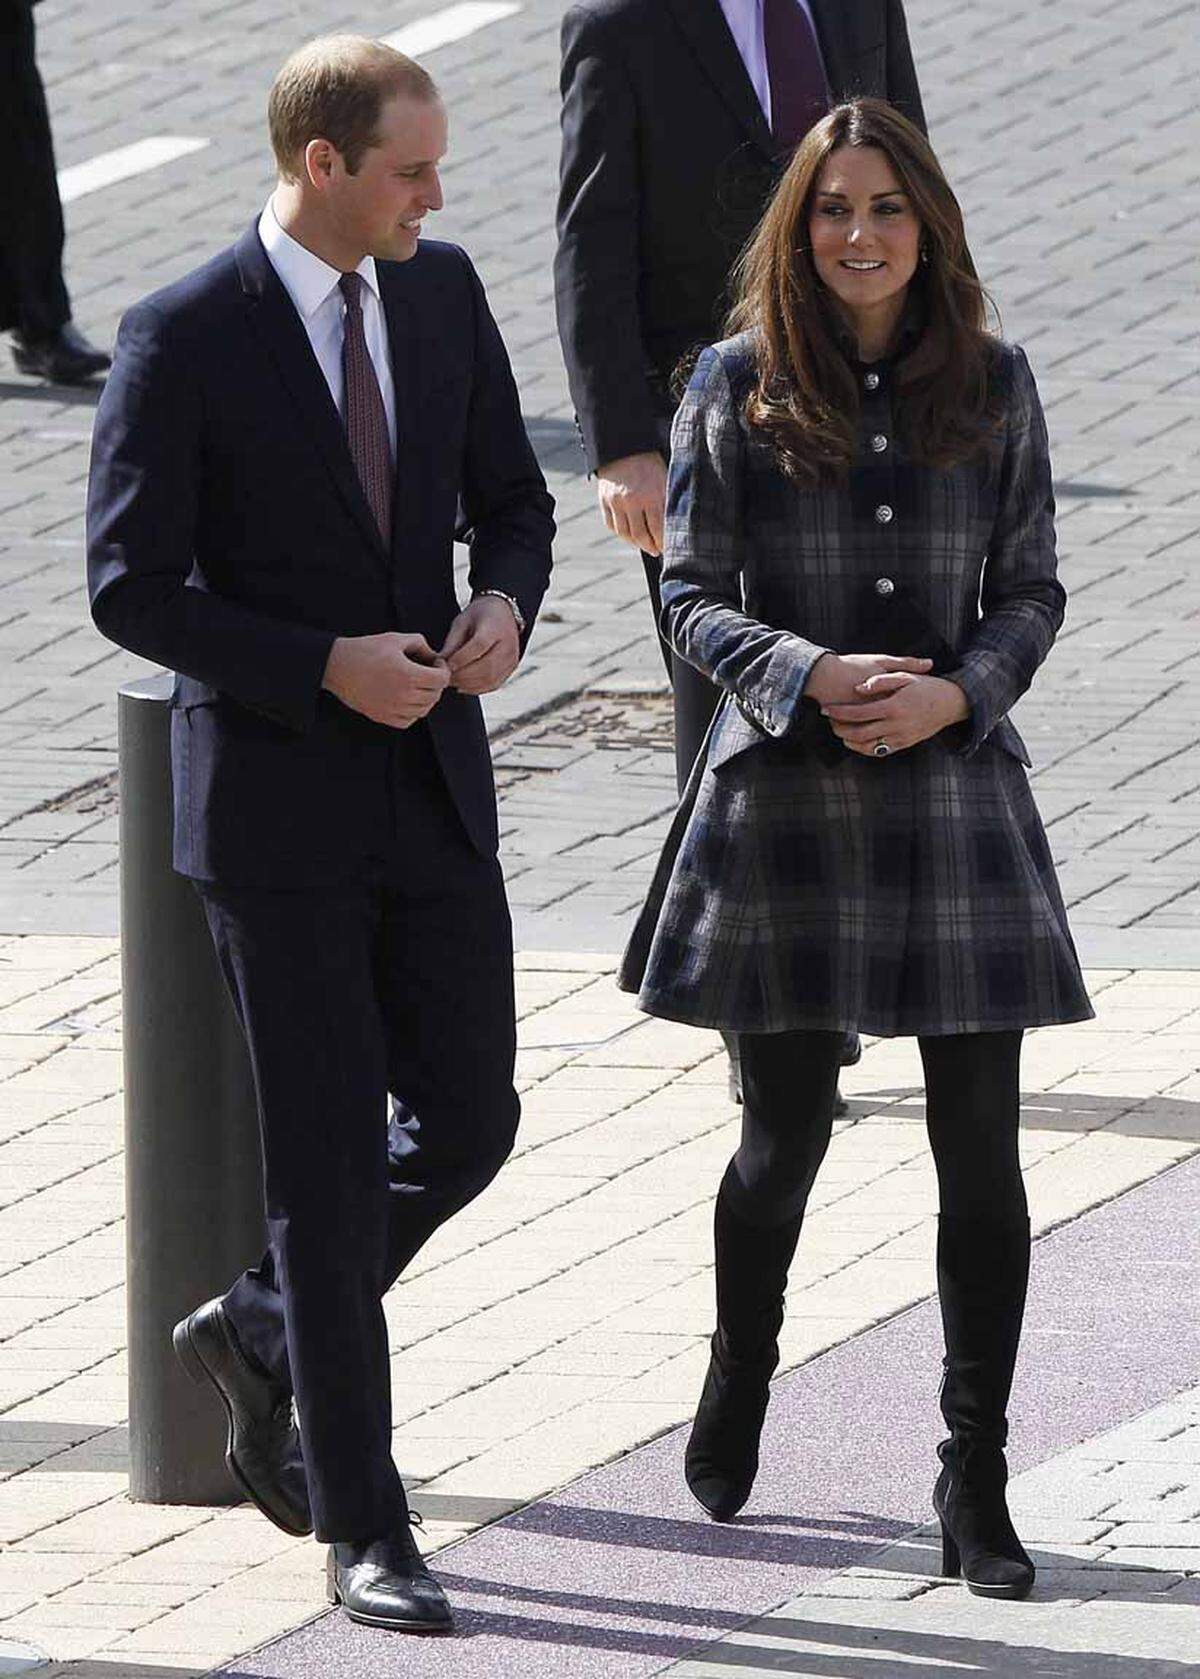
x=365, y=418
x=799, y=91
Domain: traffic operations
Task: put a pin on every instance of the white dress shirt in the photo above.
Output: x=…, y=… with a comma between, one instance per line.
x=745, y=20
x=312, y=286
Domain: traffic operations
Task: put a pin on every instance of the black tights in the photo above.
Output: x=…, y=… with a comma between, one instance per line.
x=972, y=1102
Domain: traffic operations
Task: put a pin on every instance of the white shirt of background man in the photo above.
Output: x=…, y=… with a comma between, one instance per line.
x=312, y=286
x=745, y=20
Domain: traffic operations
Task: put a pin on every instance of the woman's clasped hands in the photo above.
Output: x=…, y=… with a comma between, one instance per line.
x=873, y=700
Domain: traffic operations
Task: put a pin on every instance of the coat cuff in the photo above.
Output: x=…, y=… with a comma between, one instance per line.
x=773, y=703
x=967, y=737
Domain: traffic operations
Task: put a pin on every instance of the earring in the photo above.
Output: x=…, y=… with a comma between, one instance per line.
x=925, y=254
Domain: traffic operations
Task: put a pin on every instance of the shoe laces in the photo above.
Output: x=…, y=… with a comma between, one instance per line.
x=283, y=1417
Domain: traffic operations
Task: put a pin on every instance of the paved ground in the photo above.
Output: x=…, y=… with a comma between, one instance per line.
x=559, y=1321
x=1072, y=142
x=1068, y=136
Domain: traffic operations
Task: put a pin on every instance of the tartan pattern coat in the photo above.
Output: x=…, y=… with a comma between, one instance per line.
x=805, y=886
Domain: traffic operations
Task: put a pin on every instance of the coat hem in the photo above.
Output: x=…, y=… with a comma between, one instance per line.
x=865, y=1024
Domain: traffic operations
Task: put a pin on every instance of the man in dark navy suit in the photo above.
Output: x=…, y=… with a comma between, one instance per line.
x=289, y=442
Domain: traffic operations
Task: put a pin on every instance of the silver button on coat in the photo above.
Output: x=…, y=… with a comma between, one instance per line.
x=871, y=381
x=884, y=514
x=879, y=443
x=884, y=586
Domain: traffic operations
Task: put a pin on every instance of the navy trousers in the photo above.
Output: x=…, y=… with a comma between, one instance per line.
x=399, y=983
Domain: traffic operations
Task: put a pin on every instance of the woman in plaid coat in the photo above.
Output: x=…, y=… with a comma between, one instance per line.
x=860, y=552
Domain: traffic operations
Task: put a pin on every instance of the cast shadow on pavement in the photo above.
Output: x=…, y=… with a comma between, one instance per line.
x=824, y=1648
x=1067, y=1110
x=69, y=396
x=863, y=1652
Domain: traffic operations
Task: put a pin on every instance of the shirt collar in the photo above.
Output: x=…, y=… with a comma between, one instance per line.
x=308, y=280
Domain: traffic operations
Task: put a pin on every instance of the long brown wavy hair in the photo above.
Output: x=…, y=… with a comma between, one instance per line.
x=805, y=398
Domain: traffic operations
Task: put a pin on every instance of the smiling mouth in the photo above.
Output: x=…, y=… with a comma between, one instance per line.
x=862, y=267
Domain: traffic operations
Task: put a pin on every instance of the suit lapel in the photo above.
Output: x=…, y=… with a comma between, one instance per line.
x=834, y=22
x=703, y=23
x=281, y=330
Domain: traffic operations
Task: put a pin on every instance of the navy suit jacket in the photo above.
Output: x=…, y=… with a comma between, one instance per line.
x=229, y=540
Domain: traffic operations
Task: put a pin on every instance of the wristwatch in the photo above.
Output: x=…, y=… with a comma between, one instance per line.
x=499, y=594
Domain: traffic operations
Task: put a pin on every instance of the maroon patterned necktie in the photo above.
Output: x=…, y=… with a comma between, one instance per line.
x=365, y=418
x=799, y=91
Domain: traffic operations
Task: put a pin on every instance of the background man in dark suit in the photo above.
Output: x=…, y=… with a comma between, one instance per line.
x=677, y=117
x=34, y=305
x=279, y=461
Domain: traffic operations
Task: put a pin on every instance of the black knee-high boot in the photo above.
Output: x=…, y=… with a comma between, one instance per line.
x=752, y=1266
x=983, y=1270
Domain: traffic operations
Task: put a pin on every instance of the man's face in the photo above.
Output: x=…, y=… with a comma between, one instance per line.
x=379, y=208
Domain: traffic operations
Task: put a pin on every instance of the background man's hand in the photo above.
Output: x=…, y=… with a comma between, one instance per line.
x=483, y=647
x=837, y=678
x=633, y=499
x=391, y=678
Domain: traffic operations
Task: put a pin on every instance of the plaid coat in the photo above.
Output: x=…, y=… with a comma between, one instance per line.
x=805, y=886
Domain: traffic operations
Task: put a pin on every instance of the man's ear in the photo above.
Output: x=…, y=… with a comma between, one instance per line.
x=319, y=156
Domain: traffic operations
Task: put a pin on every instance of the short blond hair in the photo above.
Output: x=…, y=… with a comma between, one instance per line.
x=333, y=89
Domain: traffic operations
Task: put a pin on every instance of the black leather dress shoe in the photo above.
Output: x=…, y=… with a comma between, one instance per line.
x=386, y=1584
x=263, y=1450
x=851, y=1050
x=64, y=357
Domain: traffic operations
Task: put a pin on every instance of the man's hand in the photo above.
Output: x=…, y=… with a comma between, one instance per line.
x=391, y=678
x=483, y=647
x=898, y=708
x=633, y=499
x=839, y=678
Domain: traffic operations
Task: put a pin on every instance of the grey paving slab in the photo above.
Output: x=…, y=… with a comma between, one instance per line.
x=619, y=1576
x=1073, y=141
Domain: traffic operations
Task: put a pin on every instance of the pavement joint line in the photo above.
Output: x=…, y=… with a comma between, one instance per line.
x=452, y=23
x=125, y=162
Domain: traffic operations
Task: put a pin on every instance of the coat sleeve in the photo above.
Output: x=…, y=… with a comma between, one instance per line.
x=143, y=493
x=902, y=88
x=764, y=668
x=507, y=511
x=596, y=266
x=1022, y=602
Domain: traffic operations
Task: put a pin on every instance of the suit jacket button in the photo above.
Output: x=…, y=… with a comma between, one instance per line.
x=871, y=381
x=884, y=586
x=884, y=514
x=878, y=443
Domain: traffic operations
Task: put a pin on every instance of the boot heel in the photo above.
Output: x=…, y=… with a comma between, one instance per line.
x=951, y=1561
x=186, y=1353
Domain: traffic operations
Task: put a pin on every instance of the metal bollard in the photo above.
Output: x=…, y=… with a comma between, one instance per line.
x=193, y=1180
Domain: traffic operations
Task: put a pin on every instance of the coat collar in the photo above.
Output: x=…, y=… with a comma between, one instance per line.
x=703, y=23
x=282, y=332
x=908, y=334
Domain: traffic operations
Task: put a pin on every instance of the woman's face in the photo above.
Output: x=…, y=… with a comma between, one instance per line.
x=863, y=231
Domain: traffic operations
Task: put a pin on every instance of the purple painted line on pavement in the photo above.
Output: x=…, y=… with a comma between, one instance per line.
x=619, y=1575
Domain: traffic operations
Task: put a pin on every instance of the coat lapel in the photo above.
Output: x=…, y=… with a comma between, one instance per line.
x=282, y=331
x=703, y=23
